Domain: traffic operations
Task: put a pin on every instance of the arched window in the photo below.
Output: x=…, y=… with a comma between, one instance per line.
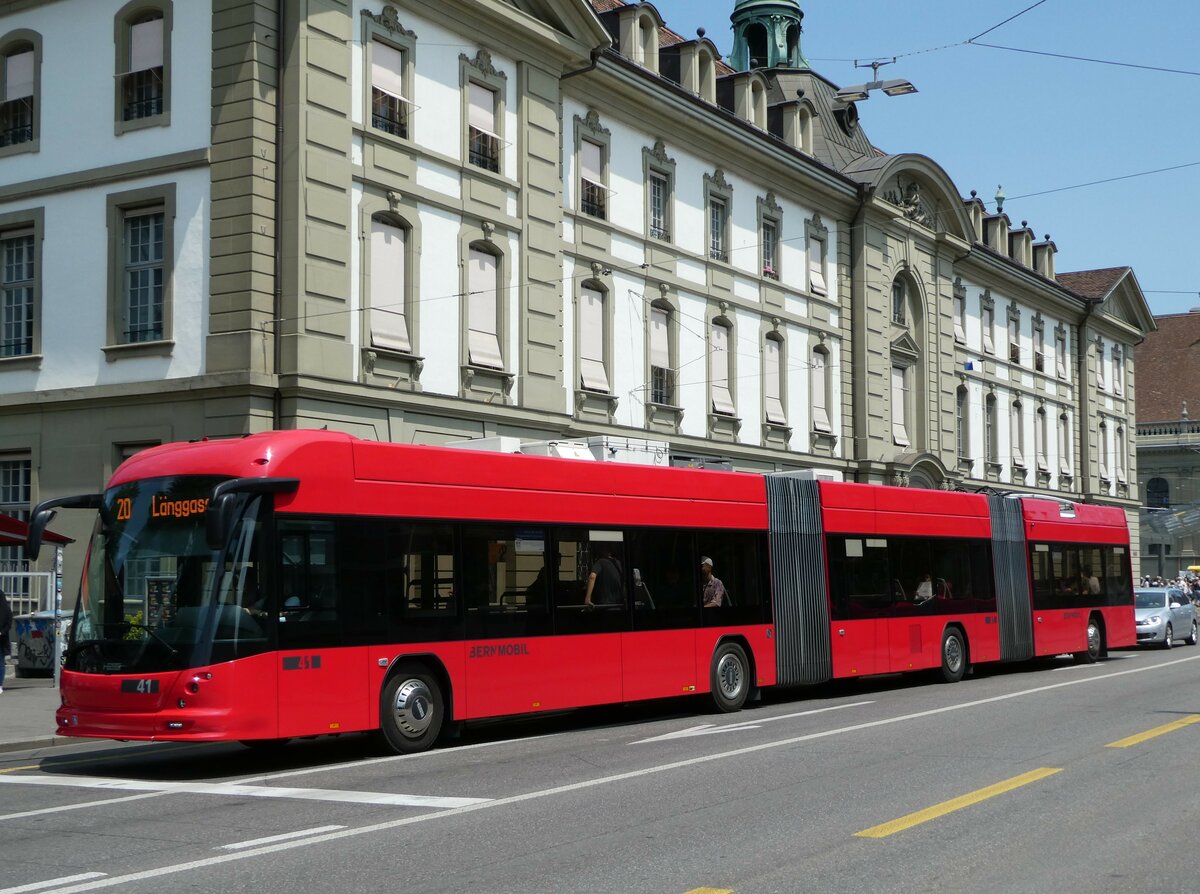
x=773, y=380
x=593, y=368
x=483, y=307
x=18, y=93
x=708, y=76
x=1017, y=431
x=804, y=137
x=662, y=346
x=143, y=63
x=1064, y=445
x=899, y=302
x=721, y=367
x=962, y=413
x=389, y=285
x=1103, y=450
x=647, y=48
x=1039, y=438
x=819, y=391
x=758, y=104
x=793, y=45
x=990, y=446
x=756, y=42
x=1158, y=493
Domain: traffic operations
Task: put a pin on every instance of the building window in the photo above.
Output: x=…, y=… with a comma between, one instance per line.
x=987, y=314
x=662, y=373
x=144, y=236
x=389, y=286
x=960, y=314
x=1040, y=437
x=819, y=391
x=1158, y=493
x=817, y=242
x=962, y=414
x=1037, y=327
x=1118, y=371
x=593, y=374
x=660, y=192
x=1100, y=365
x=773, y=381
x=900, y=406
x=18, y=279
x=482, y=135
x=647, y=43
x=1064, y=445
x=483, y=311
x=1119, y=451
x=718, y=220
x=16, y=474
x=721, y=369
x=1039, y=357
x=143, y=64
x=1103, y=450
x=389, y=100
x=991, y=446
x=1017, y=433
x=18, y=111
x=1060, y=352
x=592, y=194
x=1014, y=338
x=770, y=248
x=718, y=198
x=899, y=300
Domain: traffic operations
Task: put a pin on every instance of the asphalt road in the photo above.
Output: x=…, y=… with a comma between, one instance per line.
x=1047, y=777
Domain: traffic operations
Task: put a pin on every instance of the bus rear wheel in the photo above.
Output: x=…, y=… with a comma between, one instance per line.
x=730, y=678
x=954, y=655
x=412, y=709
x=1095, y=644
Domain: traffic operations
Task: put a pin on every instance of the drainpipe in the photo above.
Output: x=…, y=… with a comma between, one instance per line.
x=858, y=323
x=277, y=297
x=1081, y=378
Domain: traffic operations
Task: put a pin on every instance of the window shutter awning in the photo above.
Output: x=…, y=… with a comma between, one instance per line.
x=387, y=69
x=482, y=115
x=146, y=45
x=18, y=76
x=389, y=326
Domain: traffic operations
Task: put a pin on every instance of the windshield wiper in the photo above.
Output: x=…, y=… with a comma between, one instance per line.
x=129, y=625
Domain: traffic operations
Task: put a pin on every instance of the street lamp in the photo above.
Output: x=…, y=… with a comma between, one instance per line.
x=895, y=87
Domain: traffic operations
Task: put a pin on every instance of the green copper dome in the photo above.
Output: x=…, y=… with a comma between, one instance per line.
x=766, y=34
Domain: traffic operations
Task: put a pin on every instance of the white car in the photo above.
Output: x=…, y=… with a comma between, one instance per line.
x=1163, y=615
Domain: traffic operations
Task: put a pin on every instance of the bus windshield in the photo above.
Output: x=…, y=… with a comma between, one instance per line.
x=151, y=598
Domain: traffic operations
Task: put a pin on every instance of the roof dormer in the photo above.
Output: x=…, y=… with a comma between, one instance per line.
x=745, y=94
x=1020, y=244
x=636, y=33
x=693, y=65
x=995, y=232
x=1043, y=257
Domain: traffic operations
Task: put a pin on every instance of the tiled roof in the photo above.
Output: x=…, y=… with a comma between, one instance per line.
x=1168, y=369
x=666, y=37
x=1094, y=284
x=606, y=5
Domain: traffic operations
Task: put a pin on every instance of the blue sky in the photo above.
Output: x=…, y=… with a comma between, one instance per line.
x=1033, y=123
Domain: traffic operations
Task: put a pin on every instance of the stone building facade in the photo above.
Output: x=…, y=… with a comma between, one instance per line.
x=429, y=220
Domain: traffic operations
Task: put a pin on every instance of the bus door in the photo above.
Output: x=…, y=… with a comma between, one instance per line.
x=660, y=656
x=862, y=597
x=322, y=684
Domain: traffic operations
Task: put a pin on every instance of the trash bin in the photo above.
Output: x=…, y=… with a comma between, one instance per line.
x=35, y=643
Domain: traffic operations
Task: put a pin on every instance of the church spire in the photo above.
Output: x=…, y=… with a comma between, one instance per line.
x=766, y=34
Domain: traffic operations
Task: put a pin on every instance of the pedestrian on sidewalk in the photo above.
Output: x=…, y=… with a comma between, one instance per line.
x=6, y=619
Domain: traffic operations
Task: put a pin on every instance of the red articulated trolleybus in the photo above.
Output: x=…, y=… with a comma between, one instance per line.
x=306, y=582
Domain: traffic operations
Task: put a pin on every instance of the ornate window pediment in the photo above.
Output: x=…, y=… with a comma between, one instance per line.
x=905, y=348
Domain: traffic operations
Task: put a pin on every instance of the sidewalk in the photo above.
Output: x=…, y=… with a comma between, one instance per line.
x=27, y=712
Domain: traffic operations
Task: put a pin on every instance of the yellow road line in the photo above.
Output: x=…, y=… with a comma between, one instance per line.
x=938, y=810
x=15, y=769
x=709, y=891
x=1157, y=731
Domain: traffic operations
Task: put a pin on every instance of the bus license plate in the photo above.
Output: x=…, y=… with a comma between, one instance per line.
x=146, y=687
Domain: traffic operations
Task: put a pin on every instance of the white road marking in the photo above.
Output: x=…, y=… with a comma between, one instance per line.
x=707, y=729
x=245, y=791
x=61, y=808
x=41, y=886
x=205, y=862
x=271, y=839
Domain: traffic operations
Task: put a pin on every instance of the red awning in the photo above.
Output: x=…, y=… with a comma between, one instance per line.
x=14, y=532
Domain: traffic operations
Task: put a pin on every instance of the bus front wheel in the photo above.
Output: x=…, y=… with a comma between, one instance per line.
x=954, y=655
x=730, y=678
x=412, y=709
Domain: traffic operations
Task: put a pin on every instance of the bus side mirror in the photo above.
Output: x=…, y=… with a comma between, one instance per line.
x=44, y=512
